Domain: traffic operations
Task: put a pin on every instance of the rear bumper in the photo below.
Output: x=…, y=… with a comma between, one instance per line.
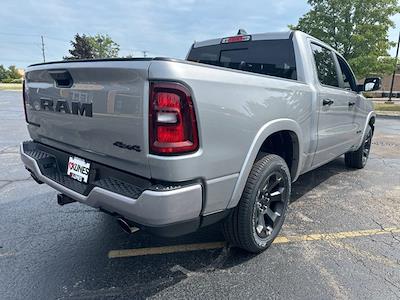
x=150, y=207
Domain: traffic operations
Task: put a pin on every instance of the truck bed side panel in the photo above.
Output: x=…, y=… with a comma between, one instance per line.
x=231, y=107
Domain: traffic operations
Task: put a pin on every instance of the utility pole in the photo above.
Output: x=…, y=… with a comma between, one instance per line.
x=144, y=53
x=44, y=57
x=394, y=71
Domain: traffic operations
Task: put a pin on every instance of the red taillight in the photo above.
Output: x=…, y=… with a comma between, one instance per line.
x=236, y=39
x=172, y=120
x=24, y=99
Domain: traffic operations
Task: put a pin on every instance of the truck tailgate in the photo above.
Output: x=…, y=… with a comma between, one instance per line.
x=94, y=109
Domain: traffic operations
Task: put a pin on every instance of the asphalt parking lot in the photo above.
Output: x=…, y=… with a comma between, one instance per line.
x=341, y=238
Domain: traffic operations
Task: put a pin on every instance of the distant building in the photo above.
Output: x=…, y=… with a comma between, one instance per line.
x=387, y=81
x=385, y=88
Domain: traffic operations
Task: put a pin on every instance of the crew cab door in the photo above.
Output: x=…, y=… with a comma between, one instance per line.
x=336, y=127
x=347, y=81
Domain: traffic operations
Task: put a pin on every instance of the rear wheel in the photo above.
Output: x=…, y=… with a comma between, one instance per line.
x=257, y=219
x=358, y=159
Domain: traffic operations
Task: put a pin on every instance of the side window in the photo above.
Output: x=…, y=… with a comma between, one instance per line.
x=326, y=67
x=349, y=82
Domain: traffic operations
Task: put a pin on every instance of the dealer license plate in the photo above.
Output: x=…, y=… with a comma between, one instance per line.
x=78, y=169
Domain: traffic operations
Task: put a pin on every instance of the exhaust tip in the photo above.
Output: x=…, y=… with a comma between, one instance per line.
x=126, y=226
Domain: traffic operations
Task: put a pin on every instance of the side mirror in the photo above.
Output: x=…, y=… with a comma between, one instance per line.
x=372, y=84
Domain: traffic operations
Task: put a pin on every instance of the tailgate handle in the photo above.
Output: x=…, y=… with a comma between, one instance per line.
x=62, y=78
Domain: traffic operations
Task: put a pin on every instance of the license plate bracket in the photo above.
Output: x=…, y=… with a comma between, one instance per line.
x=78, y=169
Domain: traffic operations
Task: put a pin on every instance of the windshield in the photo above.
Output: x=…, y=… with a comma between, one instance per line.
x=268, y=57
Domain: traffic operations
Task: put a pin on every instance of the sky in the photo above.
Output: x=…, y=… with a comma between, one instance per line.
x=162, y=28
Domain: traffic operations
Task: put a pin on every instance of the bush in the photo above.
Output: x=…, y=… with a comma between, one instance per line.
x=368, y=95
x=10, y=80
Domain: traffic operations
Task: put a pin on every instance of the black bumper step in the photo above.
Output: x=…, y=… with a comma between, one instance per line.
x=53, y=165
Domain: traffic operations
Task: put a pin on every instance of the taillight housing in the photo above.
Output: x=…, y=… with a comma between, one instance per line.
x=172, y=119
x=24, y=99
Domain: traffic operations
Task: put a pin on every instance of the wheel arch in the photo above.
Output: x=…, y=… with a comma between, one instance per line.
x=284, y=143
x=284, y=131
x=371, y=123
x=369, y=120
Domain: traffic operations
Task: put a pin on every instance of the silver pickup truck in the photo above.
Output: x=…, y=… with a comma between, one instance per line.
x=172, y=145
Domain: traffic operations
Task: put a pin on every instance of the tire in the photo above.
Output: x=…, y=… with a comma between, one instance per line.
x=358, y=159
x=257, y=219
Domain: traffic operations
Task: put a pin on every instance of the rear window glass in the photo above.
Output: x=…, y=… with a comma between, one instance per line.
x=326, y=67
x=269, y=57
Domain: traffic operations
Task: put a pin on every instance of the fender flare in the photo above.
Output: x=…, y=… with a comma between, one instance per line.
x=371, y=115
x=265, y=131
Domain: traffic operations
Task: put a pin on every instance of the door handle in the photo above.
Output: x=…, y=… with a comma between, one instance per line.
x=327, y=102
x=351, y=103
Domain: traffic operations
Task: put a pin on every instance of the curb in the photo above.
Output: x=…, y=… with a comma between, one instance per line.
x=388, y=116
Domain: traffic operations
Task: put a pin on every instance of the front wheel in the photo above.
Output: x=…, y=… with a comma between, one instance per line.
x=358, y=159
x=257, y=219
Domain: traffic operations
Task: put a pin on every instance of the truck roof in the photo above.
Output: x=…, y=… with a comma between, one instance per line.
x=281, y=35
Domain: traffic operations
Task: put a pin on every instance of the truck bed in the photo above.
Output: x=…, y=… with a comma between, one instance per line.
x=117, y=132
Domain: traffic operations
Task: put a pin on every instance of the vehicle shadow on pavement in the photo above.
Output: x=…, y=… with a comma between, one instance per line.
x=92, y=274
x=308, y=181
x=145, y=276
x=88, y=272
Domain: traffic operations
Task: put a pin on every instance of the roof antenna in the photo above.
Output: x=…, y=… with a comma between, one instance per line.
x=241, y=32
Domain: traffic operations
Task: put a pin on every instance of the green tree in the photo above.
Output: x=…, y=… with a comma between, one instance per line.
x=88, y=47
x=358, y=29
x=103, y=46
x=12, y=73
x=82, y=48
x=3, y=73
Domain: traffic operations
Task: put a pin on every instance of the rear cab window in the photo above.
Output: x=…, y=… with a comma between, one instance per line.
x=325, y=65
x=267, y=57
